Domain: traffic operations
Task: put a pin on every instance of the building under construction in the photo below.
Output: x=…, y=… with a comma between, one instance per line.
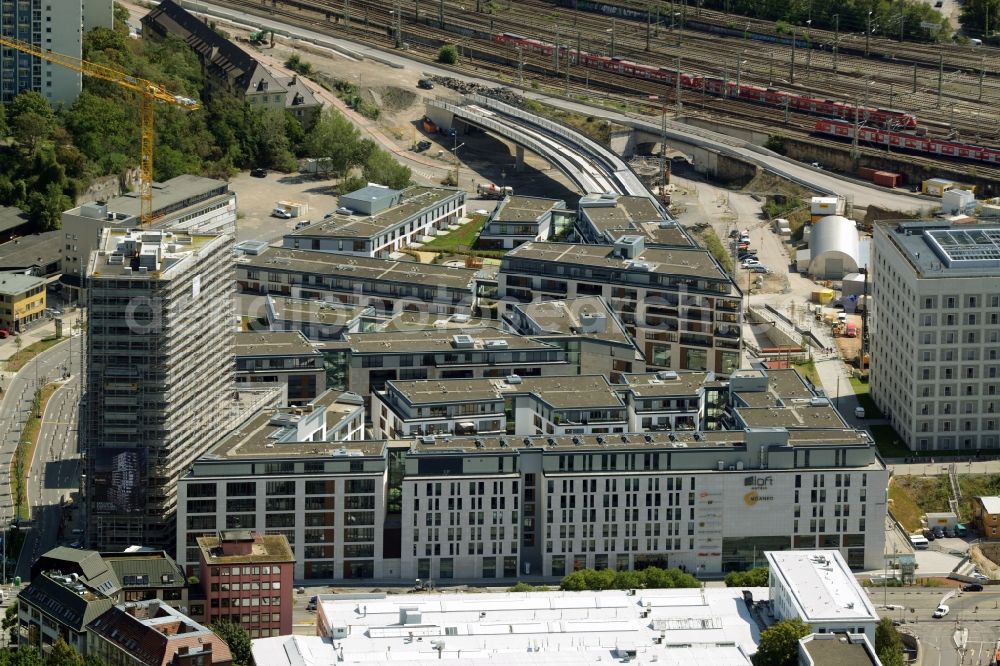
x=159, y=375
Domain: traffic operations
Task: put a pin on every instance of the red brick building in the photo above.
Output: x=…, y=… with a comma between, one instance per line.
x=247, y=579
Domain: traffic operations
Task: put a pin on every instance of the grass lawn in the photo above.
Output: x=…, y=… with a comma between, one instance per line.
x=910, y=497
x=888, y=442
x=26, y=451
x=808, y=370
x=864, y=399
x=20, y=358
x=460, y=241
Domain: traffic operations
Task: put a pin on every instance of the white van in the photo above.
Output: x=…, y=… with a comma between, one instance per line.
x=919, y=541
x=976, y=42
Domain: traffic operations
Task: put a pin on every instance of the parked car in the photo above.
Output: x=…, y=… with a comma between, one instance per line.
x=941, y=611
x=258, y=172
x=929, y=535
x=949, y=532
x=422, y=146
x=938, y=531
x=282, y=213
x=759, y=268
x=426, y=84
x=311, y=604
x=978, y=576
x=302, y=225
x=972, y=587
x=750, y=261
x=4, y=332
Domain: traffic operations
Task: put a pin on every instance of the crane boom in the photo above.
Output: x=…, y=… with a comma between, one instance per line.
x=148, y=92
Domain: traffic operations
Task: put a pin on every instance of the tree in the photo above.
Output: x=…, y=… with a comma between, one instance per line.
x=753, y=578
x=779, y=644
x=238, y=640
x=63, y=655
x=10, y=621
x=974, y=13
x=888, y=643
x=45, y=208
x=333, y=140
x=383, y=168
x=448, y=54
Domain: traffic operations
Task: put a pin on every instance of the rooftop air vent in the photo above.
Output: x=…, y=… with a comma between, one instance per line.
x=427, y=439
x=462, y=341
x=576, y=441
x=666, y=374
x=495, y=344
x=513, y=379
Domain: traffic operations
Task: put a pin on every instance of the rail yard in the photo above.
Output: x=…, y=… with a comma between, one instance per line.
x=936, y=102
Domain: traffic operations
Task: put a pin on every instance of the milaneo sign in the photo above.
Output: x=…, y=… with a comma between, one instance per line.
x=758, y=486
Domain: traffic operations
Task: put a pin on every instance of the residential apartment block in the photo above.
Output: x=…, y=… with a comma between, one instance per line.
x=22, y=301
x=232, y=69
x=935, y=333
x=986, y=516
x=547, y=501
x=519, y=219
x=280, y=359
x=317, y=320
x=489, y=507
x=586, y=328
x=364, y=362
x=379, y=222
x=285, y=472
x=515, y=405
x=388, y=286
x=246, y=578
x=681, y=308
x=53, y=25
x=70, y=588
x=188, y=203
x=605, y=218
x=152, y=633
x=159, y=382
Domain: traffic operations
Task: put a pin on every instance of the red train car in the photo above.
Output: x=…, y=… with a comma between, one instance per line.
x=801, y=103
x=905, y=141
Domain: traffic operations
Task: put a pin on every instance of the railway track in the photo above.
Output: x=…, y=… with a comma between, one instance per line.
x=890, y=84
x=373, y=23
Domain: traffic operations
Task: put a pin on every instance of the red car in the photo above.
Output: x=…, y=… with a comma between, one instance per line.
x=4, y=332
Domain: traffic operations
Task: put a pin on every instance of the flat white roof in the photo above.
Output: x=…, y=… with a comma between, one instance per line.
x=991, y=504
x=820, y=585
x=682, y=627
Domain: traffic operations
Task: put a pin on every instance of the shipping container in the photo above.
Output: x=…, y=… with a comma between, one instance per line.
x=866, y=173
x=887, y=179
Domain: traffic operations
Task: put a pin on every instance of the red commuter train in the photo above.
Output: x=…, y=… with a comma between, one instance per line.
x=716, y=86
x=905, y=141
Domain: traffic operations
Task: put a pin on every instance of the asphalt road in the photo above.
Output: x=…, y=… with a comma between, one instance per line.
x=16, y=405
x=55, y=472
x=966, y=636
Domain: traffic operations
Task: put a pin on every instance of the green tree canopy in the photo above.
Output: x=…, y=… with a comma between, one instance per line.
x=779, y=643
x=888, y=644
x=448, y=54
x=980, y=17
x=334, y=141
x=382, y=168
x=753, y=578
x=608, y=579
x=238, y=640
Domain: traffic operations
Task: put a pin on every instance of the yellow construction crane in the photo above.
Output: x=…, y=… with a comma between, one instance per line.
x=148, y=92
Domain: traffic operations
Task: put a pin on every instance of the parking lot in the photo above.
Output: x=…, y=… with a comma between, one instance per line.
x=257, y=197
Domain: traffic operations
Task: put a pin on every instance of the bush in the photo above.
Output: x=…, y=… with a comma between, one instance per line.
x=448, y=54
x=521, y=586
x=752, y=578
x=608, y=579
x=776, y=142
